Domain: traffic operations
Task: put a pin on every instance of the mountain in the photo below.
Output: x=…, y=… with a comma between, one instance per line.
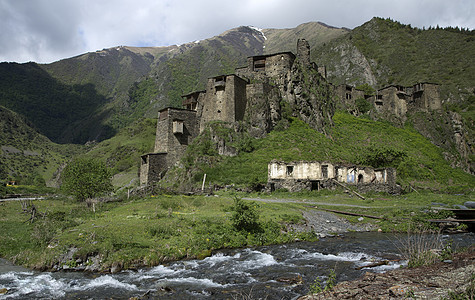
x=383, y=52
x=95, y=96
x=26, y=154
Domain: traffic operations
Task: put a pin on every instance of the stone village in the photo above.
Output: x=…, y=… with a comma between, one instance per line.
x=256, y=94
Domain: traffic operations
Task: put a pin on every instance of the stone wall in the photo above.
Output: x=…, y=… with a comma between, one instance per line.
x=426, y=96
x=152, y=167
x=393, y=100
x=303, y=51
x=263, y=110
x=224, y=100
x=347, y=95
x=295, y=176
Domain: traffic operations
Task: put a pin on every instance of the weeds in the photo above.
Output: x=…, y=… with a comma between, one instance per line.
x=318, y=287
x=424, y=247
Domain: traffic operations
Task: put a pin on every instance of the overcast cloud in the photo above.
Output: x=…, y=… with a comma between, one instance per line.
x=49, y=30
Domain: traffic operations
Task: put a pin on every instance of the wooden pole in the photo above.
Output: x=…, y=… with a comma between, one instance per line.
x=349, y=189
x=203, y=185
x=351, y=214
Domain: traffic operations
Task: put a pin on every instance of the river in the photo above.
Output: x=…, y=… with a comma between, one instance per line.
x=269, y=272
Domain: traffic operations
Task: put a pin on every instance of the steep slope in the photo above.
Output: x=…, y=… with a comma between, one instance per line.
x=27, y=156
x=188, y=70
x=316, y=33
x=382, y=52
x=91, y=96
x=353, y=140
x=63, y=113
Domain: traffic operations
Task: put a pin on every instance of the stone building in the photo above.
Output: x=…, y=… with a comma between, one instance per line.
x=312, y=175
x=426, y=96
x=393, y=100
x=176, y=128
x=224, y=100
x=348, y=95
x=254, y=94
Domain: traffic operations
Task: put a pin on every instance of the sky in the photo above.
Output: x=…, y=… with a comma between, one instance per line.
x=45, y=31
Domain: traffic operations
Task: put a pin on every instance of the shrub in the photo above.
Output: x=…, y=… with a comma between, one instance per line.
x=317, y=286
x=424, y=247
x=363, y=105
x=245, y=216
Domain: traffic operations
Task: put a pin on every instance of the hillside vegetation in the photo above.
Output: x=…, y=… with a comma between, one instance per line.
x=400, y=54
x=355, y=140
x=63, y=113
x=99, y=98
x=27, y=156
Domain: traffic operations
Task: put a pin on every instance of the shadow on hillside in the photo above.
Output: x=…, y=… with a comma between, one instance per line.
x=64, y=113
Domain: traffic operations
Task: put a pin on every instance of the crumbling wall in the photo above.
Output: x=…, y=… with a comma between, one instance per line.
x=346, y=96
x=152, y=167
x=263, y=110
x=303, y=175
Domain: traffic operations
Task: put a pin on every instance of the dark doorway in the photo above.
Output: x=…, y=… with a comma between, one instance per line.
x=360, y=178
x=315, y=186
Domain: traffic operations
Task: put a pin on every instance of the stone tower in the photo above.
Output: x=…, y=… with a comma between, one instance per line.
x=303, y=51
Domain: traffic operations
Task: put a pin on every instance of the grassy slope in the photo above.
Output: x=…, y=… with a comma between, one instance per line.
x=57, y=110
x=144, y=231
x=156, y=229
x=26, y=153
x=122, y=152
x=317, y=34
x=400, y=54
x=350, y=142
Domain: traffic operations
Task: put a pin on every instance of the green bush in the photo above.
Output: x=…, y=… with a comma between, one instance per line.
x=318, y=287
x=363, y=105
x=86, y=178
x=245, y=216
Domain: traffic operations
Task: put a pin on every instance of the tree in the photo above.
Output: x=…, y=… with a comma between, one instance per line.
x=367, y=89
x=245, y=216
x=363, y=105
x=86, y=178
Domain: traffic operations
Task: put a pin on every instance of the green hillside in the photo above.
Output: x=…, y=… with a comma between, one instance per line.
x=400, y=54
x=27, y=156
x=122, y=152
x=104, y=97
x=63, y=113
x=316, y=33
x=353, y=140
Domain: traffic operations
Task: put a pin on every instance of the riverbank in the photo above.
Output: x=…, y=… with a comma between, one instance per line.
x=443, y=280
x=118, y=234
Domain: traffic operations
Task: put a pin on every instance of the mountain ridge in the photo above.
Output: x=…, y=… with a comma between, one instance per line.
x=112, y=88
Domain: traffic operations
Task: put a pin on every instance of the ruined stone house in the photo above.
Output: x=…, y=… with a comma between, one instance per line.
x=393, y=100
x=253, y=94
x=313, y=175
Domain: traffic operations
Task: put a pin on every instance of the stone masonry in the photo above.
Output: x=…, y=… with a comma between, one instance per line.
x=255, y=94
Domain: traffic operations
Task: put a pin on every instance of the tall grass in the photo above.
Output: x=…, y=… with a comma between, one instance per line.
x=423, y=247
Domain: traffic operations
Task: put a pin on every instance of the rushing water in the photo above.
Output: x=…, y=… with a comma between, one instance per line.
x=275, y=272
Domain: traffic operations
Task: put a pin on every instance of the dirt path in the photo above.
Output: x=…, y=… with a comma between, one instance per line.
x=323, y=223
x=305, y=202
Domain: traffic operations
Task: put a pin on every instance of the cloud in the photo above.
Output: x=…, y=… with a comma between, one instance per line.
x=48, y=30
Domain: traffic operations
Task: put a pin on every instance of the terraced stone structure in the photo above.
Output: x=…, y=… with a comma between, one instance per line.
x=255, y=95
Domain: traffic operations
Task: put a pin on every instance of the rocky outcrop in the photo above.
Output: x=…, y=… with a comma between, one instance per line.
x=450, y=134
x=350, y=64
x=429, y=282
